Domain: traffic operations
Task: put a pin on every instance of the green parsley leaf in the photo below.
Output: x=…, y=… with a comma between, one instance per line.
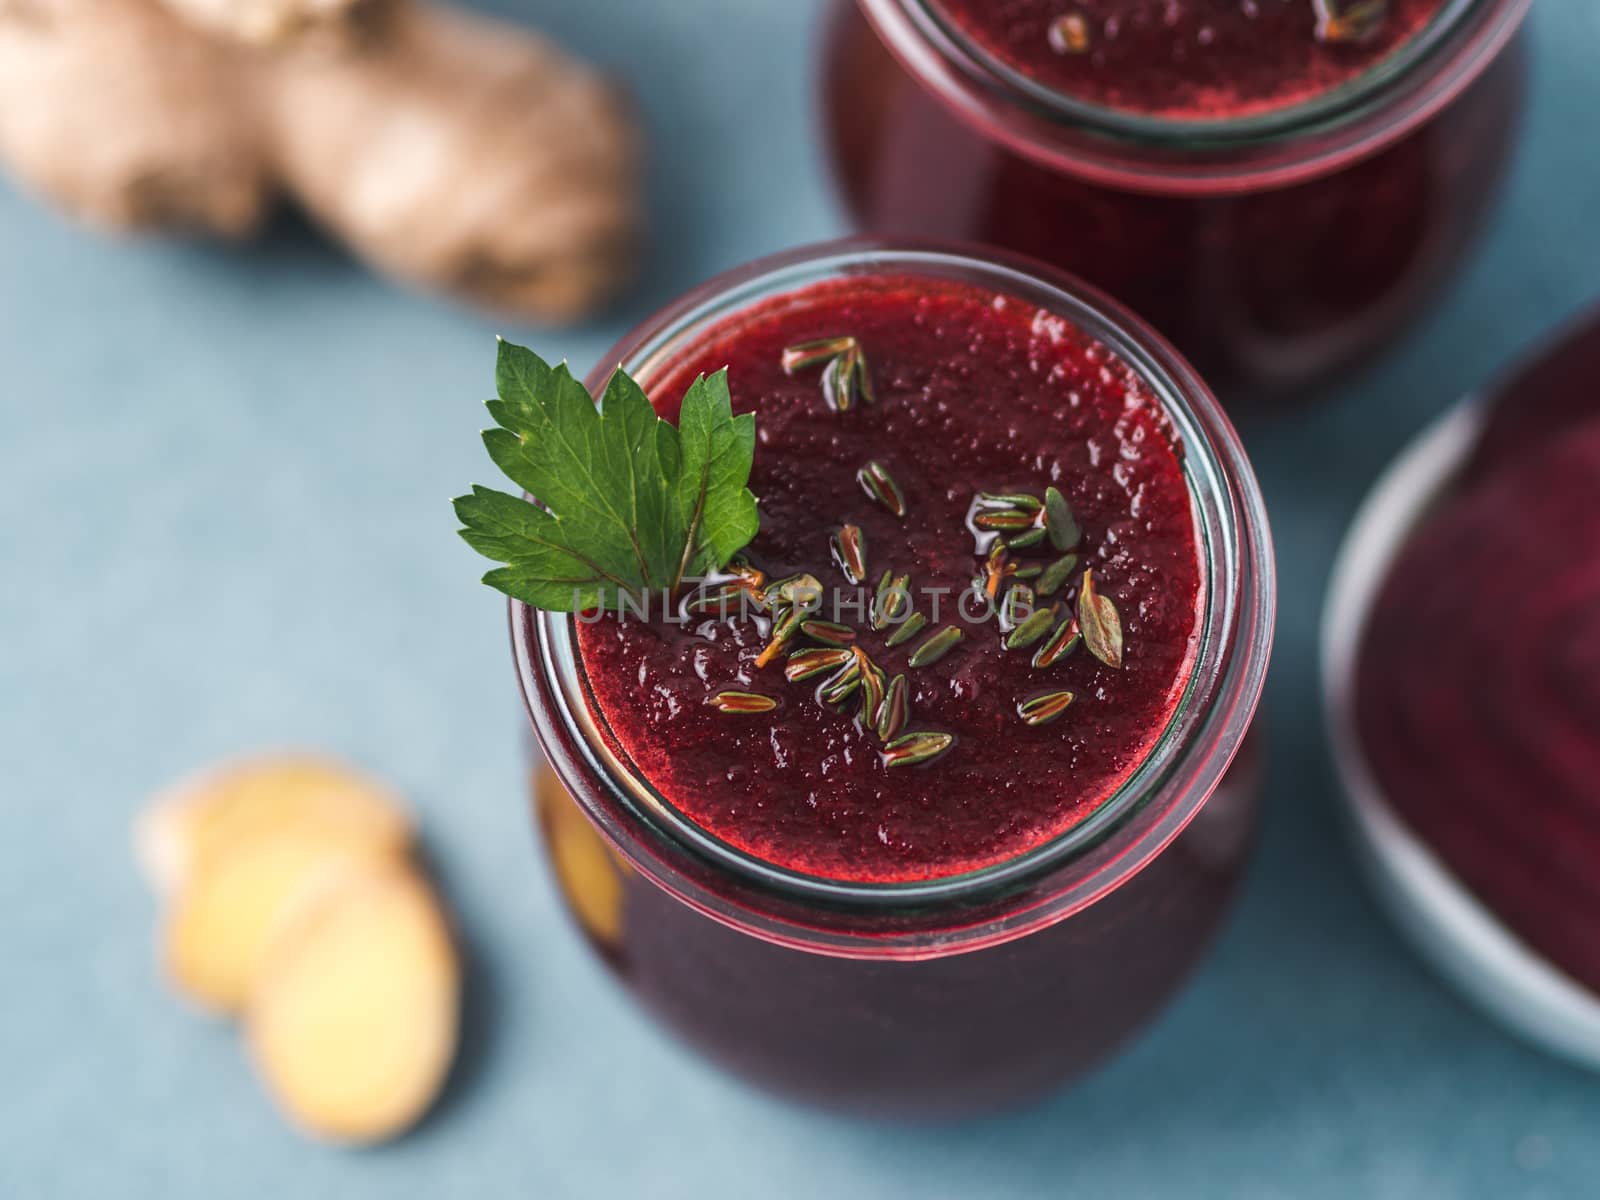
x=626, y=502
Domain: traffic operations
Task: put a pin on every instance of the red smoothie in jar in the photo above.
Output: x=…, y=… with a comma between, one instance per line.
x=1188, y=59
x=1276, y=185
x=974, y=393
x=913, y=860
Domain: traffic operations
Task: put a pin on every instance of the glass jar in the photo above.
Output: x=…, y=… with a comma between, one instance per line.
x=966, y=992
x=1273, y=249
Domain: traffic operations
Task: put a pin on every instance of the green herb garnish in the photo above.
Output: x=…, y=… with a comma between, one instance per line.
x=829, y=633
x=1022, y=541
x=1347, y=21
x=1041, y=710
x=1059, y=521
x=816, y=660
x=1069, y=34
x=874, y=683
x=907, y=629
x=935, y=646
x=1032, y=629
x=1099, y=622
x=892, y=601
x=849, y=549
x=912, y=748
x=1062, y=642
x=627, y=503
x=742, y=703
x=1003, y=519
x=895, y=709
x=1056, y=574
x=841, y=685
x=846, y=375
x=876, y=481
x=1016, y=607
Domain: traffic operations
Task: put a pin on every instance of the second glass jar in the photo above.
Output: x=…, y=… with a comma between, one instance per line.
x=1274, y=254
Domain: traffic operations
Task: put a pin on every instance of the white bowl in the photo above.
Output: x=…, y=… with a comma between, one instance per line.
x=1449, y=926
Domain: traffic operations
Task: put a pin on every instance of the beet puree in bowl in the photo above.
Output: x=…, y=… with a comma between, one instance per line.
x=940, y=854
x=1462, y=650
x=1277, y=185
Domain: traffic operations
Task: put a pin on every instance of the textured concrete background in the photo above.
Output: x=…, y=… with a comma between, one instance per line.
x=224, y=476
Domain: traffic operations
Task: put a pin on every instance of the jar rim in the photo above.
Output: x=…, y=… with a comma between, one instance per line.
x=1031, y=888
x=1143, y=152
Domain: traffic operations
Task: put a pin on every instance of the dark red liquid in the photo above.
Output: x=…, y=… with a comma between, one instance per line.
x=974, y=392
x=1478, y=699
x=939, y=1037
x=1265, y=288
x=1183, y=58
x=1545, y=398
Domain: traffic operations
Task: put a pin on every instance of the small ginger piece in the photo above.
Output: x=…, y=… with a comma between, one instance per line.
x=294, y=901
x=589, y=872
x=203, y=818
x=352, y=1023
x=220, y=925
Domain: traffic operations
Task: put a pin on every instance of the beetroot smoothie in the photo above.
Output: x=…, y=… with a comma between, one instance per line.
x=1546, y=397
x=974, y=393
x=1189, y=59
x=966, y=927
x=1279, y=199
x=1476, y=701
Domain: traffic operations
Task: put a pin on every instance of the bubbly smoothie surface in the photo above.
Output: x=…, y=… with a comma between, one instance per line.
x=1478, y=682
x=1189, y=59
x=974, y=391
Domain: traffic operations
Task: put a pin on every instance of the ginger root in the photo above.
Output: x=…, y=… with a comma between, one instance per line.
x=203, y=819
x=110, y=109
x=267, y=21
x=293, y=898
x=353, y=1026
x=448, y=150
x=222, y=923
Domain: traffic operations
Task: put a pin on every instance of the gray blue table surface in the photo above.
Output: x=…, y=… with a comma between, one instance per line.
x=224, y=525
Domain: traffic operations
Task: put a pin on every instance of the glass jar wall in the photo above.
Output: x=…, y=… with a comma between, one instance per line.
x=1273, y=250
